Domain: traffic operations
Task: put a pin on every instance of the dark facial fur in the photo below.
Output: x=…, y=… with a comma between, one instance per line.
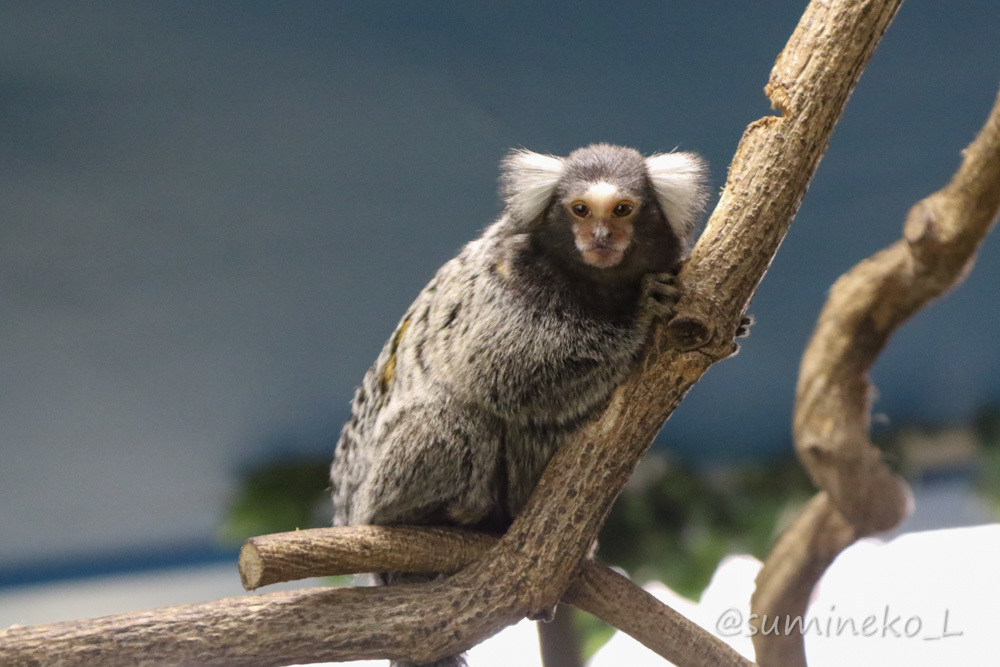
x=653, y=245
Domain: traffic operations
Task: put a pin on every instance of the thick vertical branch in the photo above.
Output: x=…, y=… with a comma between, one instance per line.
x=861, y=495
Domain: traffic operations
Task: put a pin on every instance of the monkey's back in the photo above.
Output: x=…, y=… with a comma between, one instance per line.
x=490, y=371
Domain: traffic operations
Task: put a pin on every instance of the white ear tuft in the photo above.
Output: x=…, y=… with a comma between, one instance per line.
x=679, y=183
x=527, y=182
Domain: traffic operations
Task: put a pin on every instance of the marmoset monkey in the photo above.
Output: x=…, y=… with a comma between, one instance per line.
x=517, y=342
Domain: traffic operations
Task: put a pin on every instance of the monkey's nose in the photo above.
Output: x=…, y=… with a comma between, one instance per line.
x=601, y=232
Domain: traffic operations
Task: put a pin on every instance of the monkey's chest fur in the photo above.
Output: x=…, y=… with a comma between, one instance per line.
x=495, y=366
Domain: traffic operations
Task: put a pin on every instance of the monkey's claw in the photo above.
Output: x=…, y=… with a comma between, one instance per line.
x=660, y=293
x=743, y=330
x=543, y=615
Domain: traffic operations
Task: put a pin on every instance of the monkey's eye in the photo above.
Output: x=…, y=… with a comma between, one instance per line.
x=580, y=210
x=622, y=210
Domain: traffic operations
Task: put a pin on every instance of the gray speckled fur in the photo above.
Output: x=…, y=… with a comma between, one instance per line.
x=504, y=355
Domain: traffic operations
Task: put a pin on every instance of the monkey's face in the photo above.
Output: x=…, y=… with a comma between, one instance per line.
x=602, y=217
x=605, y=212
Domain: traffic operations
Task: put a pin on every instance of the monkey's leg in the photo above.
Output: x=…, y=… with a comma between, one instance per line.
x=437, y=465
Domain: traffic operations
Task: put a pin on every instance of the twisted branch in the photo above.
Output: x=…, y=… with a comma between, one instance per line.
x=860, y=494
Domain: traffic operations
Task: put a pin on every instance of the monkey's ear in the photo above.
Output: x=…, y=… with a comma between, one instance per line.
x=527, y=181
x=679, y=183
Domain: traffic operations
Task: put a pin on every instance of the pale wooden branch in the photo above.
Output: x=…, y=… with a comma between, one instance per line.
x=324, y=552
x=614, y=599
x=861, y=495
x=596, y=589
x=271, y=559
x=528, y=571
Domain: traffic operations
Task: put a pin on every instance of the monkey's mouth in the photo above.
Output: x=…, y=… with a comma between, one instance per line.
x=602, y=244
x=602, y=253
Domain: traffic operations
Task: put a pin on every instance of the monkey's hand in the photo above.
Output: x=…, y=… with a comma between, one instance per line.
x=660, y=292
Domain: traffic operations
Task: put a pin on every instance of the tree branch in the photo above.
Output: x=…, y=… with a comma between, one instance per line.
x=613, y=598
x=326, y=552
x=861, y=495
x=330, y=551
x=534, y=563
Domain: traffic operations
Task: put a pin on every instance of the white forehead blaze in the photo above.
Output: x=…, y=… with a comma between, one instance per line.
x=602, y=190
x=600, y=197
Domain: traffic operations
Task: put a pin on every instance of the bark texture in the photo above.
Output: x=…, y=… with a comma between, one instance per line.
x=596, y=589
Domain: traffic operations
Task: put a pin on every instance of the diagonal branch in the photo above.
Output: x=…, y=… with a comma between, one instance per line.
x=534, y=563
x=861, y=495
x=774, y=162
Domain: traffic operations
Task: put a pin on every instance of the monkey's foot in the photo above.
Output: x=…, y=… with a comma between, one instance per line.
x=660, y=293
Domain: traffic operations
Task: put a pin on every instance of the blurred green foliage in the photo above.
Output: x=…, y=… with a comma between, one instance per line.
x=674, y=527
x=988, y=427
x=680, y=523
x=278, y=496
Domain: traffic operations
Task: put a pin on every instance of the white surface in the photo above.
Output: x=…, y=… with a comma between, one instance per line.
x=943, y=583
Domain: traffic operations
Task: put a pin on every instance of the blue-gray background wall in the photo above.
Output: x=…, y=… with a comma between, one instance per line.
x=212, y=215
